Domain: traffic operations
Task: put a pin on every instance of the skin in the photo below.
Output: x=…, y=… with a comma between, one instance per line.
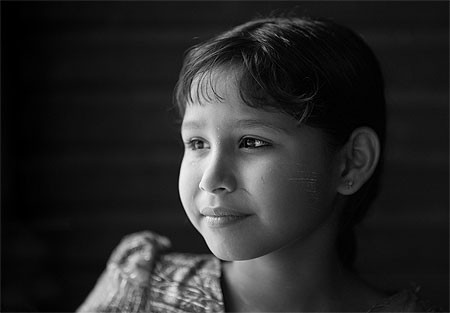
x=281, y=256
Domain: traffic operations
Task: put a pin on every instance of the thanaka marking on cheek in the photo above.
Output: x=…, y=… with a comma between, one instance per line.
x=309, y=181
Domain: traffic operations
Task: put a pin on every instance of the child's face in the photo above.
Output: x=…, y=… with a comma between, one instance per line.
x=263, y=181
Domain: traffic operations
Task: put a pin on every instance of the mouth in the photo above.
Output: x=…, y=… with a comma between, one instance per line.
x=221, y=217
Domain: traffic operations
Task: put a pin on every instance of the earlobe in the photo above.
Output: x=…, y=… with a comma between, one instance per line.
x=360, y=158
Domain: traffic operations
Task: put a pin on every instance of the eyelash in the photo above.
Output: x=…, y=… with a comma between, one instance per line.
x=263, y=144
x=191, y=144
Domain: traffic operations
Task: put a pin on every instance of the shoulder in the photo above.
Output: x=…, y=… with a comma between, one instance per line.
x=407, y=300
x=141, y=276
x=126, y=275
x=134, y=257
x=188, y=282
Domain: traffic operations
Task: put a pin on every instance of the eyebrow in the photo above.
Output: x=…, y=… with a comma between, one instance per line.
x=247, y=123
x=252, y=123
x=193, y=124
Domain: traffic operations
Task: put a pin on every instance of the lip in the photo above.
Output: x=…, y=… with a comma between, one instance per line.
x=221, y=216
x=221, y=212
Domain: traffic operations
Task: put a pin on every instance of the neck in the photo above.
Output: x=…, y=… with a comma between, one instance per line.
x=304, y=276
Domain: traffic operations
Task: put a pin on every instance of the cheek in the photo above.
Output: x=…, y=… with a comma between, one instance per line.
x=291, y=192
x=188, y=182
x=287, y=189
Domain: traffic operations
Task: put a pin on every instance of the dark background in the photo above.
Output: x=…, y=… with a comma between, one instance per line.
x=90, y=152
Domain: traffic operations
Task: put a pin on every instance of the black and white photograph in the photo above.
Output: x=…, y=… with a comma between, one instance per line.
x=224, y=156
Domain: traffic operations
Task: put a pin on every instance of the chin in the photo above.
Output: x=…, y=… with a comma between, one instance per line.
x=235, y=250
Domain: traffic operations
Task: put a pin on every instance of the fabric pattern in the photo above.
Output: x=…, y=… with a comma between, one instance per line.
x=142, y=276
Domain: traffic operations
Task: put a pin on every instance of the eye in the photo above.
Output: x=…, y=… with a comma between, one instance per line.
x=253, y=143
x=196, y=144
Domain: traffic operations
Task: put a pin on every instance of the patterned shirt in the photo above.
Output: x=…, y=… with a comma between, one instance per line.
x=141, y=276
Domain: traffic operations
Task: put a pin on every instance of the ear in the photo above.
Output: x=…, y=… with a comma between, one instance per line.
x=360, y=157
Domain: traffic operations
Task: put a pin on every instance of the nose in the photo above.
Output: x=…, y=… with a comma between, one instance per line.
x=218, y=175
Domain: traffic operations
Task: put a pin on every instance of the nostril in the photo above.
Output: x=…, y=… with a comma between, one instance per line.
x=211, y=189
x=219, y=189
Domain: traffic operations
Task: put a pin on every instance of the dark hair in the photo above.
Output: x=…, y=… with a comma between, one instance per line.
x=321, y=73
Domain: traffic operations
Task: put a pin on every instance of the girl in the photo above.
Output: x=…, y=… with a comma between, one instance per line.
x=283, y=121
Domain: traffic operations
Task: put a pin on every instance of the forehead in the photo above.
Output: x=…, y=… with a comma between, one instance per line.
x=216, y=97
x=232, y=114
